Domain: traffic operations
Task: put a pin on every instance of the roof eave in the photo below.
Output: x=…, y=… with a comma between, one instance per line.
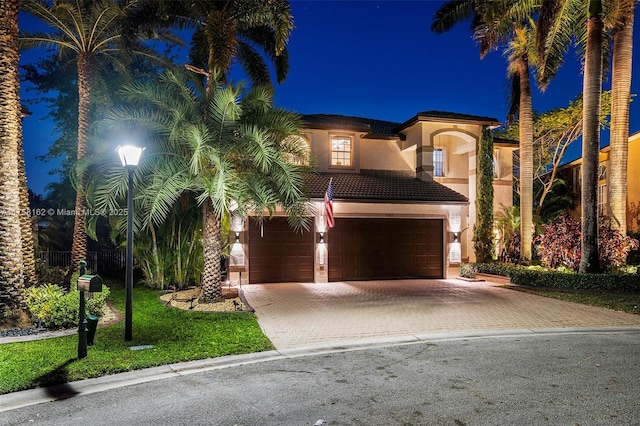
x=424, y=118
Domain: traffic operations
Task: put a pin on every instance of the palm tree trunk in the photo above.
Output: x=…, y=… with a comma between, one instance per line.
x=526, y=162
x=212, y=247
x=620, y=97
x=86, y=75
x=28, y=253
x=11, y=267
x=591, y=142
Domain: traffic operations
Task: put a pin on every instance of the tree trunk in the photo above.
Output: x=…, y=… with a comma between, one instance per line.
x=11, y=267
x=212, y=248
x=620, y=97
x=526, y=162
x=86, y=75
x=26, y=223
x=591, y=143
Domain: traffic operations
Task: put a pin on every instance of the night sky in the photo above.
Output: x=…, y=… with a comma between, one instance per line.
x=376, y=59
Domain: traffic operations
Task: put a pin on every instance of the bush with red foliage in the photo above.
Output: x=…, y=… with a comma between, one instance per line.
x=559, y=244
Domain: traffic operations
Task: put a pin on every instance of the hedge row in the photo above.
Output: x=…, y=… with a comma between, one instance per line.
x=624, y=283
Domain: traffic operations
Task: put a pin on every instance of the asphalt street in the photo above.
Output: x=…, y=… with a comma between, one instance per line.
x=579, y=378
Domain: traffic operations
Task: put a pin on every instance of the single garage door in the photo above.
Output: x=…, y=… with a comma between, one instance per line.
x=280, y=254
x=364, y=249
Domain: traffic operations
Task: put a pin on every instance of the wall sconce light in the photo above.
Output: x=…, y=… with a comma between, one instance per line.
x=237, y=237
x=456, y=237
x=322, y=238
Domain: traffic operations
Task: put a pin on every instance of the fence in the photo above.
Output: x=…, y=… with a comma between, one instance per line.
x=97, y=261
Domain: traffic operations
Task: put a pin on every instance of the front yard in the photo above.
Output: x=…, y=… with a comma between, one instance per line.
x=176, y=336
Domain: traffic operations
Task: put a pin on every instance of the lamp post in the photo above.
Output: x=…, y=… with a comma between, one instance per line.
x=129, y=156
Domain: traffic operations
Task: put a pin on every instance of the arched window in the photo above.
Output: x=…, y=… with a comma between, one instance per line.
x=297, y=150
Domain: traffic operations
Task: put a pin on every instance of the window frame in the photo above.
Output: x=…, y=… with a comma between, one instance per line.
x=307, y=147
x=351, y=139
x=443, y=162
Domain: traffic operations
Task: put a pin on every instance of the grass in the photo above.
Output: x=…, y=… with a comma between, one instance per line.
x=623, y=302
x=176, y=335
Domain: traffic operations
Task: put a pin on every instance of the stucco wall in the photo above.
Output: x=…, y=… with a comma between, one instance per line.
x=383, y=155
x=633, y=184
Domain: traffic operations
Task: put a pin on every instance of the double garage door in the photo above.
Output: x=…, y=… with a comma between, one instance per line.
x=359, y=249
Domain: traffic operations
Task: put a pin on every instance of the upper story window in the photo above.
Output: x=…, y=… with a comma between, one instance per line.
x=438, y=162
x=297, y=150
x=341, y=151
x=602, y=171
x=602, y=199
x=577, y=180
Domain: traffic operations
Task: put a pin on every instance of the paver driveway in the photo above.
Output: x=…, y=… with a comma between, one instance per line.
x=295, y=314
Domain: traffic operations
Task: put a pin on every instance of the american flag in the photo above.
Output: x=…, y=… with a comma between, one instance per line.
x=328, y=205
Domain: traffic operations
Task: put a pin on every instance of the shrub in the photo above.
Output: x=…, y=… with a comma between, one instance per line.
x=613, y=246
x=59, y=310
x=624, y=283
x=559, y=244
x=468, y=270
x=50, y=274
x=502, y=269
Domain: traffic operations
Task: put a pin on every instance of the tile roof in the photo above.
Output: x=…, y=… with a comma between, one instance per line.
x=456, y=116
x=370, y=125
x=382, y=129
x=381, y=185
x=448, y=117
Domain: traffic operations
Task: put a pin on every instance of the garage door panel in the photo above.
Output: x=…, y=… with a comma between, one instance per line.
x=278, y=253
x=385, y=248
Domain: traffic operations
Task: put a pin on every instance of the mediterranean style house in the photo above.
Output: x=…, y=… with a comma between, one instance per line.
x=570, y=172
x=403, y=202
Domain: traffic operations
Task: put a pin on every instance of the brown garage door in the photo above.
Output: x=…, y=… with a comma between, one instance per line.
x=280, y=254
x=362, y=249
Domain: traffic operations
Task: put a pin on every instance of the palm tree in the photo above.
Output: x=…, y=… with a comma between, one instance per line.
x=226, y=31
x=28, y=252
x=88, y=30
x=621, y=94
x=562, y=20
x=592, y=89
x=11, y=266
x=242, y=31
x=559, y=22
x=234, y=151
x=496, y=23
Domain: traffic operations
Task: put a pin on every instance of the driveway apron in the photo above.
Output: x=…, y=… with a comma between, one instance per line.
x=306, y=314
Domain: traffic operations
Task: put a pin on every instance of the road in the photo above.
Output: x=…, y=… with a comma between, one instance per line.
x=547, y=379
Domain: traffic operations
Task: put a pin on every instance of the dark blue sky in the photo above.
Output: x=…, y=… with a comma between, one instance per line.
x=378, y=59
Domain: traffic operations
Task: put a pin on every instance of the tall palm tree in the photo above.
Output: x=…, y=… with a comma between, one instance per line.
x=228, y=31
x=592, y=89
x=495, y=24
x=561, y=21
x=28, y=252
x=234, y=151
x=621, y=93
x=87, y=30
x=11, y=267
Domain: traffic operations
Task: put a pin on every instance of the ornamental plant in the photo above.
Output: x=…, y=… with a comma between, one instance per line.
x=559, y=244
x=58, y=309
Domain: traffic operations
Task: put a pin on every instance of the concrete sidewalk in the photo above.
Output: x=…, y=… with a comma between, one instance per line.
x=296, y=315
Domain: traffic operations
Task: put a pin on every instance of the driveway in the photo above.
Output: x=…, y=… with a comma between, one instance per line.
x=306, y=314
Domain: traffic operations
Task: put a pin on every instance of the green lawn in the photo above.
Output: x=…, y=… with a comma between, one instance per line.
x=176, y=335
x=623, y=302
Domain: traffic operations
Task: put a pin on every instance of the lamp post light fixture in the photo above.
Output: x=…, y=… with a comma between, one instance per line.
x=129, y=156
